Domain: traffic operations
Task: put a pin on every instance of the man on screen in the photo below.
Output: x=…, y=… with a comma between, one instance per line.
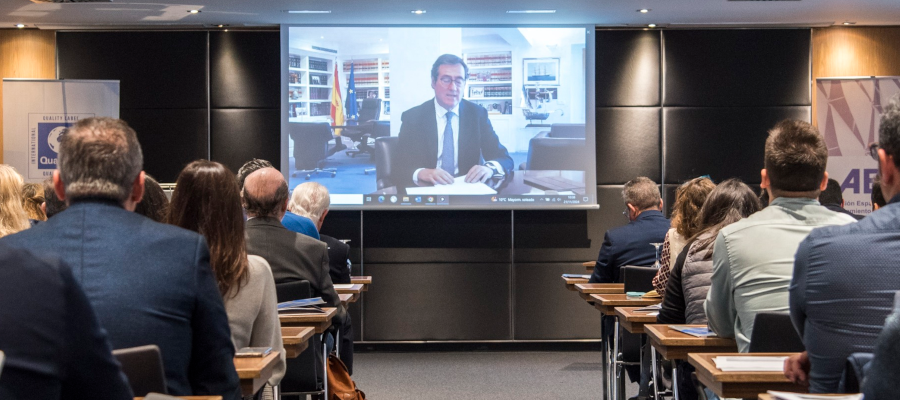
x=446, y=136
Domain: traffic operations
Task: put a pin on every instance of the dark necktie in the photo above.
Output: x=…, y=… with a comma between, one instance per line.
x=448, y=156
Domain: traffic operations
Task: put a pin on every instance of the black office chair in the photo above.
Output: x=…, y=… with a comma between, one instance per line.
x=773, y=332
x=302, y=375
x=637, y=279
x=561, y=148
x=144, y=368
x=366, y=127
x=295, y=290
x=384, y=158
x=855, y=372
x=311, y=147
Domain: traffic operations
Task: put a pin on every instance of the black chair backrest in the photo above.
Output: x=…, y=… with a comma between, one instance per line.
x=144, y=368
x=638, y=279
x=381, y=129
x=572, y=131
x=310, y=143
x=295, y=290
x=384, y=159
x=369, y=110
x=773, y=332
x=549, y=153
x=855, y=372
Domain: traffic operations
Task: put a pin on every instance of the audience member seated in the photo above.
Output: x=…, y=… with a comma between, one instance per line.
x=206, y=200
x=689, y=199
x=832, y=198
x=12, y=215
x=32, y=198
x=878, y=200
x=52, y=204
x=311, y=200
x=630, y=244
x=295, y=219
x=884, y=369
x=149, y=283
x=53, y=344
x=753, y=258
x=154, y=204
x=845, y=277
x=250, y=167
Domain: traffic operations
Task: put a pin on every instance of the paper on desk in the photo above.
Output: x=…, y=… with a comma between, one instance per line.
x=807, y=396
x=343, y=286
x=749, y=363
x=458, y=187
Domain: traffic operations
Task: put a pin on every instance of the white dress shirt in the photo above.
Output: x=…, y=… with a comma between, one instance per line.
x=440, y=116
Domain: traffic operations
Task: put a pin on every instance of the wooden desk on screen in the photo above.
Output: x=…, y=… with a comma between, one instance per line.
x=585, y=290
x=354, y=288
x=296, y=339
x=607, y=303
x=740, y=384
x=318, y=321
x=254, y=372
x=634, y=321
x=589, y=265
x=571, y=282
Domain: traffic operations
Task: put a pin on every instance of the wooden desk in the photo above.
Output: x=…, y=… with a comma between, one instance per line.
x=585, y=290
x=589, y=265
x=674, y=345
x=571, y=282
x=362, y=280
x=607, y=303
x=296, y=339
x=348, y=298
x=355, y=288
x=191, y=398
x=766, y=396
x=740, y=384
x=317, y=321
x=255, y=371
x=634, y=321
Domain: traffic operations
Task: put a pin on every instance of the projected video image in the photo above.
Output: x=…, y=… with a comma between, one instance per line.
x=435, y=117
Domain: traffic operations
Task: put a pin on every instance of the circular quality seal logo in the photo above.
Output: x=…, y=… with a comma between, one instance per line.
x=54, y=136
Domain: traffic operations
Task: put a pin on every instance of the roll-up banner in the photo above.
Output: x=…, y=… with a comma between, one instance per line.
x=37, y=112
x=848, y=114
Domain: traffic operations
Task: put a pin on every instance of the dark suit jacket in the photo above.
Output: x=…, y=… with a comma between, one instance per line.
x=842, y=290
x=418, y=141
x=839, y=209
x=149, y=283
x=55, y=348
x=338, y=259
x=630, y=245
x=294, y=256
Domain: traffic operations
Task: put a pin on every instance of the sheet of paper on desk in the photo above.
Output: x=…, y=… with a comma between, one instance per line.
x=458, y=187
x=576, y=276
x=749, y=363
x=807, y=396
x=343, y=286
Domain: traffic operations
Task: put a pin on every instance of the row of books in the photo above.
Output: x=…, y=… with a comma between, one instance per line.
x=366, y=65
x=366, y=80
x=489, y=59
x=490, y=91
x=316, y=109
x=490, y=76
x=319, y=93
x=318, y=64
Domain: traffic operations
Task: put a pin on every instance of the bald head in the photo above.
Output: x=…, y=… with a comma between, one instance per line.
x=265, y=193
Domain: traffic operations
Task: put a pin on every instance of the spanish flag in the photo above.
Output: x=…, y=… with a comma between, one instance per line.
x=337, y=108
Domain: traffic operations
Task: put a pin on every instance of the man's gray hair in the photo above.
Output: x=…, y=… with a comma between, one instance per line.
x=100, y=157
x=310, y=200
x=642, y=193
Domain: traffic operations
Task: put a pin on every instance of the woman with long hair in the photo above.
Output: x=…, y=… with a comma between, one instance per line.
x=32, y=198
x=12, y=215
x=685, y=223
x=206, y=200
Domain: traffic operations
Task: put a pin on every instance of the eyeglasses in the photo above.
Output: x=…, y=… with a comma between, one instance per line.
x=873, y=151
x=446, y=80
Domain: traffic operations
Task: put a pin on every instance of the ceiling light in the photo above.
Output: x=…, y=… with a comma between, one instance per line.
x=849, y=23
x=20, y=26
x=308, y=11
x=531, y=11
x=644, y=10
x=651, y=25
x=194, y=11
x=418, y=12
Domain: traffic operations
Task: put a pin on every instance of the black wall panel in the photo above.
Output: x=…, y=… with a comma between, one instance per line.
x=170, y=138
x=244, y=69
x=628, y=144
x=720, y=142
x=627, y=68
x=345, y=225
x=438, y=229
x=544, y=310
x=155, y=69
x=238, y=135
x=737, y=68
x=438, y=302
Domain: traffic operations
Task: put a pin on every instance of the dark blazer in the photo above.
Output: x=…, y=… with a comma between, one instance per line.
x=338, y=259
x=842, y=290
x=55, y=348
x=839, y=209
x=149, y=283
x=418, y=141
x=630, y=245
x=294, y=256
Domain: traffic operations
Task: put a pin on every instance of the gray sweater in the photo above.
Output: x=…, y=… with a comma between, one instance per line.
x=253, y=315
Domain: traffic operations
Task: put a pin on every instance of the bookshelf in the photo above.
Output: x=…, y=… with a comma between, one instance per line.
x=372, y=75
x=490, y=82
x=309, y=86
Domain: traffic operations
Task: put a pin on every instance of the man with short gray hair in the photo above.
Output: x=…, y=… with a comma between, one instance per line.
x=150, y=283
x=630, y=244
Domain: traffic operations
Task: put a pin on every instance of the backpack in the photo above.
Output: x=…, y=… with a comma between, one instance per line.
x=340, y=385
